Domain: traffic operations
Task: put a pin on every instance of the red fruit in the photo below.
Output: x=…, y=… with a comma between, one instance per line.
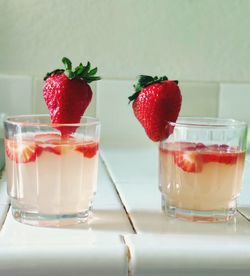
x=54, y=149
x=157, y=101
x=22, y=152
x=67, y=94
x=188, y=161
x=225, y=158
x=221, y=154
x=89, y=150
x=50, y=142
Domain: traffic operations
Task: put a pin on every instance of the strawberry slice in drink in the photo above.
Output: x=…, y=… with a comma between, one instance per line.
x=194, y=156
x=221, y=154
x=50, y=142
x=55, y=143
x=188, y=161
x=21, y=152
x=88, y=149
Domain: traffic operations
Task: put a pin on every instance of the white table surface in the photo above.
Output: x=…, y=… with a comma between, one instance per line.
x=128, y=233
x=168, y=246
x=94, y=248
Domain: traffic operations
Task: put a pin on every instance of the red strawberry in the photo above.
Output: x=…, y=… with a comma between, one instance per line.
x=67, y=94
x=56, y=148
x=89, y=149
x=22, y=152
x=188, y=161
x=157, y=101
x=221, y=154
x=225, y=158
x=50, y=142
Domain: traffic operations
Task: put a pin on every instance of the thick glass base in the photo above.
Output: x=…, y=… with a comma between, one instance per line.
x=197, y=215
x=45, y=220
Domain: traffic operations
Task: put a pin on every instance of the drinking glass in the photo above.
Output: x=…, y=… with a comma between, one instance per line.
x=201, y=167
x=51, y=177
x=2, y=161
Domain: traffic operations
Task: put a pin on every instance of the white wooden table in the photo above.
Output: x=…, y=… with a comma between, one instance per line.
x=128, y=233
x=94, y=248
x=167, y=246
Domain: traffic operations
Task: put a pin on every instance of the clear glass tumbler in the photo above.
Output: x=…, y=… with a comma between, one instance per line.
x=51, y=178
x=2, y=161
x=201, y=167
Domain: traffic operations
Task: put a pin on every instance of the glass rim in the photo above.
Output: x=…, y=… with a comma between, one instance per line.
x=201, y=122
x=20, y=120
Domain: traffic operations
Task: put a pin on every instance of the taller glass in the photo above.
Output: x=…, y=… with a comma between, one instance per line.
x=51, y=178
x=201, y=167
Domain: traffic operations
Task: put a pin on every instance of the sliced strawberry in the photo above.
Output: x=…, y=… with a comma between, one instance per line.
x=54, y=149
x=51, y=145
x=21, y=152
x=51, y=142
x=200, y=146
x=38, y=150
x=220, y=154
x=220, y=157
x=188, y=161
x=89, y=150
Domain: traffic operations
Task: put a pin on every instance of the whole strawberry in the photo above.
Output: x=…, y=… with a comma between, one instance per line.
x=156, y=102
x=67, y=94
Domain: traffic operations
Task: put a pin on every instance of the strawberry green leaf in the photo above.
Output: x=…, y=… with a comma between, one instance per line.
x=90, y=79
x=86, y=69
x=143, y=81
x=67, y=63
x=81, y=72
x=133, y=97
x=87, y=74
x=79, y=69
x=93, y=71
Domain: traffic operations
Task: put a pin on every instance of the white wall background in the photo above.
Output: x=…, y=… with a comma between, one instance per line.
x=203, y=43
x=198, y=40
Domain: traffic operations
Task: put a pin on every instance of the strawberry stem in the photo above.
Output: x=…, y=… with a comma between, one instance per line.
x=143, y=81
x=81, y=72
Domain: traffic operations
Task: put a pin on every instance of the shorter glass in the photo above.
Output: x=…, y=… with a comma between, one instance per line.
x=201, y=167
x=51, y=178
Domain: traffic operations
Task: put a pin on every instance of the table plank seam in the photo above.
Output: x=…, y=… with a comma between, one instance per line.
x=117, y=192
x=129, y=256
x=243, y=215
x=6, y=211
x=3, y=219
